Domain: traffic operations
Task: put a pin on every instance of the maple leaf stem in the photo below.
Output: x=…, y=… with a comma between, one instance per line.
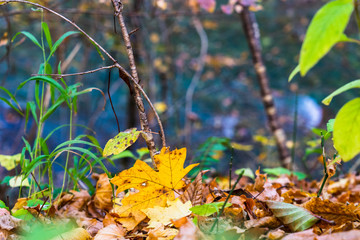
x=226, y=200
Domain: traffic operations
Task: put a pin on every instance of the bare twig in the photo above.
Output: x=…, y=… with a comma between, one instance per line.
x=137, y=89
x=196, y=78
x=76, y=74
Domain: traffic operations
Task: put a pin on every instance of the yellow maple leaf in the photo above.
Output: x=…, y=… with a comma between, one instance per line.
x=174, y=210
x=154, y=187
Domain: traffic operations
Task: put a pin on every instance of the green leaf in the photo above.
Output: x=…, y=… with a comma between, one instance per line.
x=350, y=85
x=47, y=80
x=293, y=73
x=37, y=202
x=277, y=171
x=59, y=41
x=12, y=106
x=10, y=162
x=3, y=205
x=295, y=217
x=283, y=171
x=47, y=34
x=300, y=175
x=346, y=133
x=30, y=36
x=23, y=214
x=30, y=106
x=330, y=125
x=121, y=142
x=325, y=30
x=18, y=108
x=51, y=109
x=209, y=208
x=247, y=172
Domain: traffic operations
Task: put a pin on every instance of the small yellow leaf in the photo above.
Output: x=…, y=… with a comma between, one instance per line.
x=241, y=147
x=160, y=107
x=121, y=142
x=18, y=181
x=10, y=162
x=174, y=210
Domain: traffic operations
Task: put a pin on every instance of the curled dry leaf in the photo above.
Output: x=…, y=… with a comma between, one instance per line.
x=103, y=194
x=194, y=191
x=259, y=181
x=154, y=187
x=73, y=201
x=111, y=232
x=333, y=211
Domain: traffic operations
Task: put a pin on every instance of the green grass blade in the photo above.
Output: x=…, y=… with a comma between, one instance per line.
x=47, y=34
x=59, y=41
x=29, y=36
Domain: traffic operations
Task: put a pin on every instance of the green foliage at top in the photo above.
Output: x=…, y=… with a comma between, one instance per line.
x=346, y=133
x=325, y=30
x=348, y=86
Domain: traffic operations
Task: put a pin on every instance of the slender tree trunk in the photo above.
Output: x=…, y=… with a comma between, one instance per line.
x=253, y=38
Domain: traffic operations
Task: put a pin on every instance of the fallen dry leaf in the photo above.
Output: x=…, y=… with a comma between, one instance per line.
x=161, y=233
x=333, y=211
x=194, y=191
x=269, y=222
x=72, y=202
x=8, y=222
x=154, y=188
x=275, y=234
x=187, y=229
x=174, y=210
x=103, y=194
x=111, y=232
x=259, y=181
x=132, y=220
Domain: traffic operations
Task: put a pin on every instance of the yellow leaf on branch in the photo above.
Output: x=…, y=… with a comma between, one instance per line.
x=121, y=142
x=154, y=188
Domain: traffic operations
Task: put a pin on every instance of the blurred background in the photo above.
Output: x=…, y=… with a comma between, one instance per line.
x=226, y=103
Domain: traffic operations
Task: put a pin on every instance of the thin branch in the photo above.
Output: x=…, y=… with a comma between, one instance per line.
x=135, y=79
x=196, y=78
x=76, y=74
